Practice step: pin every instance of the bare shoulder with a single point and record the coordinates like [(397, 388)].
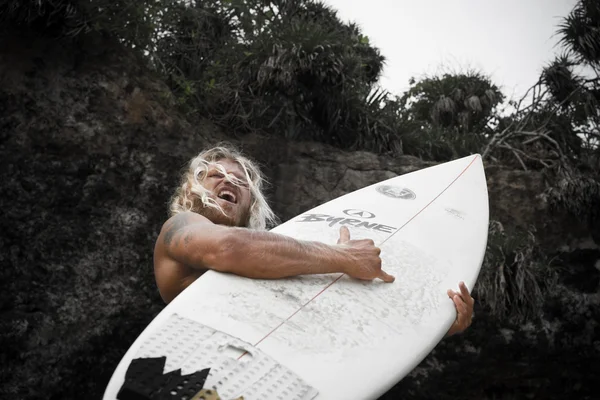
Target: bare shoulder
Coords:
[(176, 225), (175, 264)]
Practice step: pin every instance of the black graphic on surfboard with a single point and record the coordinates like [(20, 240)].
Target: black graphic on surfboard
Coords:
[(144, 380)]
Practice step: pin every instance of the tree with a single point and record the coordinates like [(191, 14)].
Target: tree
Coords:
[(557, 122), (450, 115), (578, 94), (580, 32), (556, 125), (462, 102), (133, 23), (288, 68)]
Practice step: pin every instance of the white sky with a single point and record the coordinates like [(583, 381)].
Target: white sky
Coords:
[(510, 40)]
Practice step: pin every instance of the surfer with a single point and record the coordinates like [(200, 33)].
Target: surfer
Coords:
[(218, 220)]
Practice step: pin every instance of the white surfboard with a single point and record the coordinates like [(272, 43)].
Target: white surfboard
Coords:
[(329, 336)]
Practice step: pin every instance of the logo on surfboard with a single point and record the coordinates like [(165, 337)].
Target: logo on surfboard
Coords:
[(397, 192), (332, 220), (359, 214)]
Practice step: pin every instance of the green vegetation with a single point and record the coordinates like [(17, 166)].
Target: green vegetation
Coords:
[(291, 68), (515, 274), (580, 196)]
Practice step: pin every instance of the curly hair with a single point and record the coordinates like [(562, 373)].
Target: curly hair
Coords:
[(191, 195)]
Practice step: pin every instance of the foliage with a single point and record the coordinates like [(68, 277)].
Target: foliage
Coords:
[(296, 71), (281, 67), (133, 22), (579, 195), (557, 122), (461, 102), (438, 144), (514, 277), (580, 32), (292, 68)]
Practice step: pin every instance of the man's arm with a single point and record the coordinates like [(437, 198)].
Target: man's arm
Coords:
[(195, 241)]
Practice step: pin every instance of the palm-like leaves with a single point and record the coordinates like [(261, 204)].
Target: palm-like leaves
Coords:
[(292, 68), (560, 79), (60, 16), (307, 75), (514, 275), (459, 101), (133, 22), (187, 38), (580, 31)]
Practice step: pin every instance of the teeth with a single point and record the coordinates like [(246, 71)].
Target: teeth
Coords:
[(224, 193)]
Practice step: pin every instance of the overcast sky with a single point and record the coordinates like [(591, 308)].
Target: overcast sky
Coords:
[(510, 40)]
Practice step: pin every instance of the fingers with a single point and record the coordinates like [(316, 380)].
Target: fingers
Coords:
[(344, 235), (464, 308), (461, 306), (387, 278), (462, 314), (462, 320), (367, 265), (465, 294), (369, 243)]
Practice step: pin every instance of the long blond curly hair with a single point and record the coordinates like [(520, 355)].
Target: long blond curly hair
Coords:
[(191, 195)]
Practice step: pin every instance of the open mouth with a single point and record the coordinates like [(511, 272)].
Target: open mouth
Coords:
[(228, 196)]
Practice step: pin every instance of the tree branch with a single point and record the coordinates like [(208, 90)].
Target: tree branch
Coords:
[(514, 151)]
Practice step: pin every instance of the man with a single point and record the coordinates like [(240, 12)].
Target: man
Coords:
[(218, 221)]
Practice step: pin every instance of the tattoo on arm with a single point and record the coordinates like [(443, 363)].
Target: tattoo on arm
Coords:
[(188, 238), (178, 222)]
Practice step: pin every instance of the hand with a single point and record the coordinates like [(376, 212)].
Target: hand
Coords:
[(365, 262), (464, 309)]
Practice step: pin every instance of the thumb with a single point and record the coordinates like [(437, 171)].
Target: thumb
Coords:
[(384, 276), (344, 235)]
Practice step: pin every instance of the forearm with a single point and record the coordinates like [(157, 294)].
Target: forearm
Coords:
[(266, 255)]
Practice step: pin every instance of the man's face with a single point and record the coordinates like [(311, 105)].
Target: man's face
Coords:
[(235, 200)]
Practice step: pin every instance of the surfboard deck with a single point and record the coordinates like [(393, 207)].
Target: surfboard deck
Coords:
[(329, 336)]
